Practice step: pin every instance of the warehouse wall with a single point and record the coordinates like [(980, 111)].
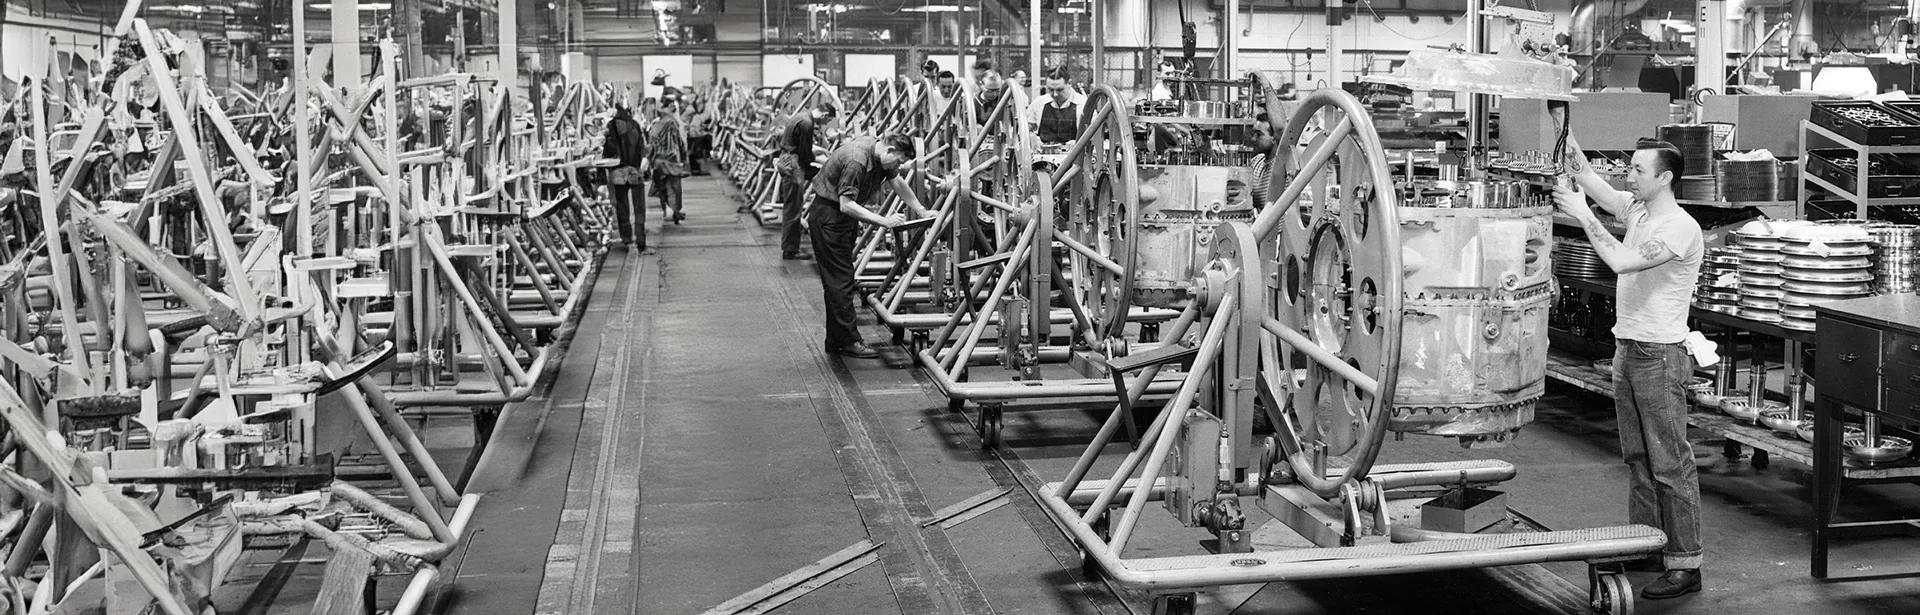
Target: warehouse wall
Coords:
[(1290, 41), (24, 47)]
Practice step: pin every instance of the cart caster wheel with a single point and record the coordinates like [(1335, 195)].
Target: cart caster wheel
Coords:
[(1089, 567), (1730, 450), (990, 426), (1102, 525), (899, 335), (919, 342), (1175, 604), (1612, 594), (1761, 459)]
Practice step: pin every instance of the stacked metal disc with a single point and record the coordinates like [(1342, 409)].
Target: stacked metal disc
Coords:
[(1719, 287), (1751, 180), (1896, 258), (1820, 263), (1695, 142), (1759, 268), (1697, 188), (1575, 258)]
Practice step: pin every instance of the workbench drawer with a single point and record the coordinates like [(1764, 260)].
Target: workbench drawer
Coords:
[(1902, 347), (1847, 358), (1903, 404), (1901, 376)]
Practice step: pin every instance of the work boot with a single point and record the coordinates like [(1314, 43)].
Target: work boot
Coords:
[(1673, 584), (796, 256), (860, 350)]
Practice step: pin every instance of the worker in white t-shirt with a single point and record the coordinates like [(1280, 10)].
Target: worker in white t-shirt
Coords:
[(1658, 263)]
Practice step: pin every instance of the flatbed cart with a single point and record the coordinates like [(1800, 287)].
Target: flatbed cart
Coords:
[(1300, 318)]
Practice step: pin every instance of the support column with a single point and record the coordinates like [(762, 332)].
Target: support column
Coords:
[(406, 32), (346, 44), (1229, 40), (509, 68), (1479, 106), (1098, 65), (1710, 45), (1336, 19), (1033, 47), (1802, 30)]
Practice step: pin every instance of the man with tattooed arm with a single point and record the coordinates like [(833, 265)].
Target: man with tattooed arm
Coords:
[(1658, 263)]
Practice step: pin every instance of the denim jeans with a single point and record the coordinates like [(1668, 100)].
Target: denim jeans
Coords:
[(1651, 406)]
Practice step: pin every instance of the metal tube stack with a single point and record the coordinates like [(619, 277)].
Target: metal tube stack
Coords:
[(1896, 259)]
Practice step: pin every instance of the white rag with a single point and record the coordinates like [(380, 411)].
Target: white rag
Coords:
[(1702, 349)]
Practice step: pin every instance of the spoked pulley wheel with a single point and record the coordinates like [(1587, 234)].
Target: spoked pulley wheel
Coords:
[(1104, 212), (802, 93), (1334, 333)]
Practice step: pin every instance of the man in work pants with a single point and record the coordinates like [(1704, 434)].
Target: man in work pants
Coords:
[(796, 167), (1658, 263), (846, 193)]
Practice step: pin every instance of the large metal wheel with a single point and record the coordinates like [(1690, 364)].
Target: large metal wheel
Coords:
[(1336, 299), (802, 93), (1004, 161), (1104, 212)]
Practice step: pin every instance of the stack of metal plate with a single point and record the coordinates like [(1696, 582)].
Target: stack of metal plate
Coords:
[(1697, 188), (1822, 263), (1896, 259), (1575, 258), (1760, 281), (1747, 180), (1719, 287)]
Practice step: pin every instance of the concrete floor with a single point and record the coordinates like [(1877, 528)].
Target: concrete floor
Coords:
[(698, 444)]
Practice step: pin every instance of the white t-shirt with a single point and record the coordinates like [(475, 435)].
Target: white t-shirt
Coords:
[(1653, 304)]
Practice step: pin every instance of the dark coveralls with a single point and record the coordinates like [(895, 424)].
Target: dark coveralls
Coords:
[(796, 141), (851, 171), (627, 141)]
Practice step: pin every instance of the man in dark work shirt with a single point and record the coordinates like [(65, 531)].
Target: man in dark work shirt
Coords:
[(845, 193), (796, 147)]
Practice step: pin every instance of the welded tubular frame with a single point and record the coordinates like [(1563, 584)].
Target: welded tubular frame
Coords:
[(97, 342), (960, 134)]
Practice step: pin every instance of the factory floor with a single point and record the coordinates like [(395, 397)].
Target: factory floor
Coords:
[(698, 445)]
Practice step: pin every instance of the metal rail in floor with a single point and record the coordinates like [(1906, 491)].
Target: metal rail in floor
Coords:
[(698, 450)]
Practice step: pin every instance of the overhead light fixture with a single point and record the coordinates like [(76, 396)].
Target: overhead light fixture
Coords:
[(936, 8), (364, 6)]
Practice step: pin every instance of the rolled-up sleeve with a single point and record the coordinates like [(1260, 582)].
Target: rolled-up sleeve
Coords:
[(846, 182)]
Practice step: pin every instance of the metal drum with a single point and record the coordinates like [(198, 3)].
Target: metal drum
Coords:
[(1896, 259), (1180, 206), (1474, 335)]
